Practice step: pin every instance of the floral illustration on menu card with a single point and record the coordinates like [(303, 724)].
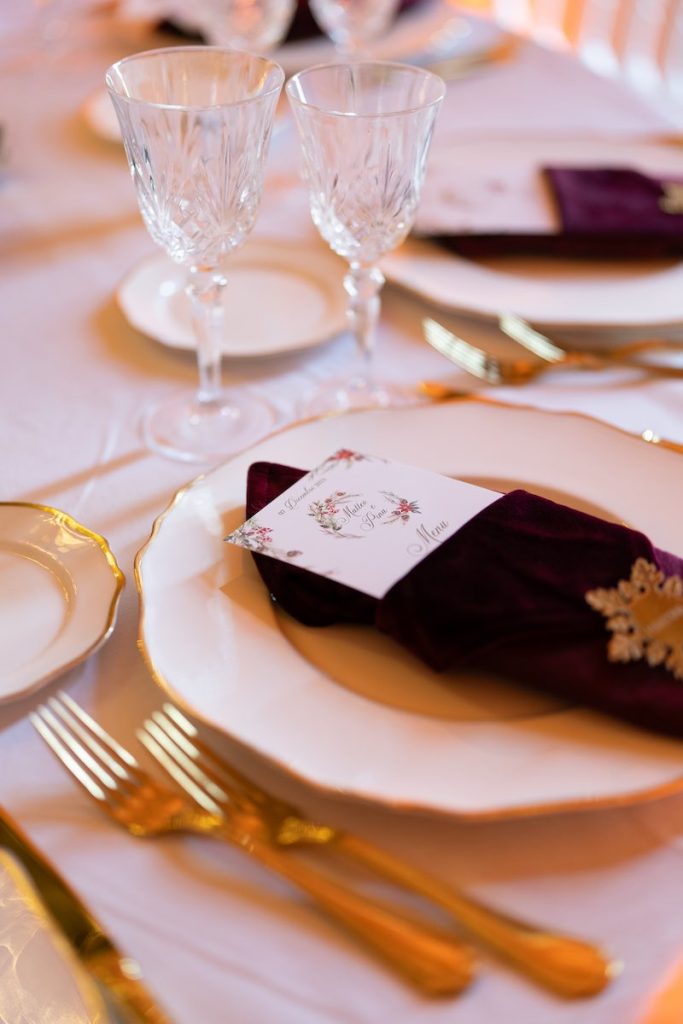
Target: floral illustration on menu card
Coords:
[(259, 539), (403, 508), (331, 517), (346, 457)]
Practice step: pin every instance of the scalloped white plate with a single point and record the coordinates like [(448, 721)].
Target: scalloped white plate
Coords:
[(347, 710), (59, 591)]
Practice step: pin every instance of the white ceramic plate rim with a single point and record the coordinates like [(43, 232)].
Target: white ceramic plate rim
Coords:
[(97, 582), (231, 666), (315, 263), (455, 284)]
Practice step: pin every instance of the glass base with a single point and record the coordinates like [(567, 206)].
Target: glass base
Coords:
[(337, 396), (183, 428)]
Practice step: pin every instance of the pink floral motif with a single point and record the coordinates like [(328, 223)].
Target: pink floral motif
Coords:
[(328, 515), (258, 538), (347, 455), (344, 455), (403, 508)]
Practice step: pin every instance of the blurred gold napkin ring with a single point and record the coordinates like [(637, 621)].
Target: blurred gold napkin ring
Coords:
[(672, 199)]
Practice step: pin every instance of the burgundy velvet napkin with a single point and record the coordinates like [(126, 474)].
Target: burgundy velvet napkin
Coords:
[(606, 213), (505, 594)]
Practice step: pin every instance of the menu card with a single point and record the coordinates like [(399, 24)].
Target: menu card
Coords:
[(362, 520)]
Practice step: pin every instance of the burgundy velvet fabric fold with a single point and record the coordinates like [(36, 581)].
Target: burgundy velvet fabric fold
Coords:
[(505, 594), (603, 213)]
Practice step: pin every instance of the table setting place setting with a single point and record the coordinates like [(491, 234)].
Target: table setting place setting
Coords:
[(342, 405)]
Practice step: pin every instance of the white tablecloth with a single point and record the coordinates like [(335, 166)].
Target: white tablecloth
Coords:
[(220, 940)]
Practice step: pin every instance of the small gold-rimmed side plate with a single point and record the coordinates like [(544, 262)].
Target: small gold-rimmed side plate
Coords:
[(304, 283), (59, 590)]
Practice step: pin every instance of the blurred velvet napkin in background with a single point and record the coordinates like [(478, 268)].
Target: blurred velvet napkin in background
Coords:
[(600, 212), (506, 594)]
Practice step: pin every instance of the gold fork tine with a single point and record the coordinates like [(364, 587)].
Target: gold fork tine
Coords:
[(178, 767), (91, 752), (436, 962), (48, 727), (93, 730), (202, 763), (524, 334), (171, 758), (471, 359), (164, 730)]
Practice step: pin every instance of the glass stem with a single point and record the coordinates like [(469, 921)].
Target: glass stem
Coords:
[(353, 52), (205, 289), (363, 284)]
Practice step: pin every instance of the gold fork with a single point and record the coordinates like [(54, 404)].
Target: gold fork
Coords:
[(566, 965), (495, 370), (437, 963), (545, 348)]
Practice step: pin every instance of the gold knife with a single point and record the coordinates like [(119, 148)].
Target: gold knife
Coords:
[(119, 975)]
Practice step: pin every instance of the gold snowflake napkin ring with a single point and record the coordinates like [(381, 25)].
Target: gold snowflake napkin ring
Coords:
[(645, 616)]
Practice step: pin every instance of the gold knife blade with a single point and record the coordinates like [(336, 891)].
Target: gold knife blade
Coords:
[(119, 974)]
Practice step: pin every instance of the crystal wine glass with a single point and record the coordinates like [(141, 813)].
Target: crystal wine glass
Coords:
[(255, 25), (353, 25), (365, 131), (196, 122)]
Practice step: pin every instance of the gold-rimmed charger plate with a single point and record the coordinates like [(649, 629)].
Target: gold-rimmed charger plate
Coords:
[(59, 592), (214, 642)]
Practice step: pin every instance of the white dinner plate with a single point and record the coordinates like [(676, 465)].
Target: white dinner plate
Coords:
[(280, 297), (493, 185), (346, 709), (59, 592), (431, 31)]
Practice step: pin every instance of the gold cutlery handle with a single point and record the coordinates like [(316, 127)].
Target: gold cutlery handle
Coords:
[(599, 361), (569, 967), (438, 964), (121, 976)]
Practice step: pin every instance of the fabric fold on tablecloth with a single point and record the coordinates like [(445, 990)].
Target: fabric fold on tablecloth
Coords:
[(506, 595)]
